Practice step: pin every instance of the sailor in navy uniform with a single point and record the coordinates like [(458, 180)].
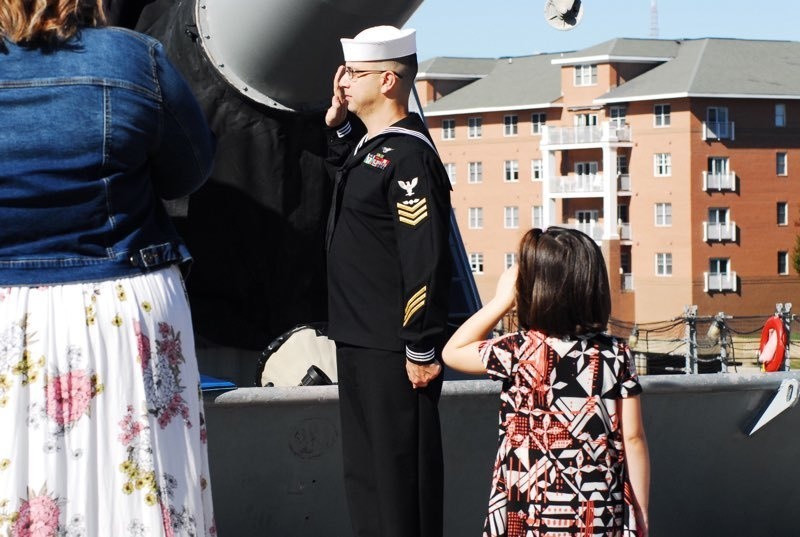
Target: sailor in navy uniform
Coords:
[(388, 286)]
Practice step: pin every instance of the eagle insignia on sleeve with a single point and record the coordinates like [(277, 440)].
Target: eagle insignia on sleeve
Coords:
[(409, 186), (412, 212)]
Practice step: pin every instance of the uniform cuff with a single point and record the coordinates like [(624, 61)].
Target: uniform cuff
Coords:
[(420, 357), (344, 130)]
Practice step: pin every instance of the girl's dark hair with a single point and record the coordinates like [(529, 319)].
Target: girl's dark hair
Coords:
[(562, 285)]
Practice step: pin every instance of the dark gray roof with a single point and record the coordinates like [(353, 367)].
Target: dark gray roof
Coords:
[(519, 82), (623, 47), (446, 67), (719, 67)]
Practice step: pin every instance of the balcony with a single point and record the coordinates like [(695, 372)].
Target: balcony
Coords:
[(576, 184), (719, 232), (719, 181), (624, 183), (720, 281), (626, 281), (719, 130), (593, 229), (585, 135), (624, 231)]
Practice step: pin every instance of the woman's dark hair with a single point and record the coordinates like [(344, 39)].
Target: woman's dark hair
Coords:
[(562, 286)]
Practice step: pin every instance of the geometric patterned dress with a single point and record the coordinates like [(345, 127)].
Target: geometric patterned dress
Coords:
[(102, 431), (560, 465)]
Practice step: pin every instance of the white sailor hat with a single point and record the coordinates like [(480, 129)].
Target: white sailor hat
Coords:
[(380, 43)]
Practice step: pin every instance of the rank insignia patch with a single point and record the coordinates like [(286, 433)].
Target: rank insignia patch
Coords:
[(412, 212), (409, 186), (414, 304), (377, 160)]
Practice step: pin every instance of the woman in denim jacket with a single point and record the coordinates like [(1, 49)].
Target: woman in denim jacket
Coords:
[(101, 423)]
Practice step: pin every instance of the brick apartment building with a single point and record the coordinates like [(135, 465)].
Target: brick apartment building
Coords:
[(680, 157)]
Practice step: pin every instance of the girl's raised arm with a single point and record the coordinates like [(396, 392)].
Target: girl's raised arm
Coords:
[(462, 351)]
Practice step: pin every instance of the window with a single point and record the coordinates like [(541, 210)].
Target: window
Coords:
[(511, 217), (586, 168), (537, 122), (783, 263), (476, 217), (661, 115), (510, 259), (510, 125), (718, 265), (476, 263), (474, 127), (585, 120), (511, 168), (450, 168), (717, 125), (780, 115), (618, 114), (448, 129), (780, 163), (662, 164), (536, 170), (585, 75), (718, 165), (475, 172), (622, 164), (663, 214), (537, 216), (783, 213), (663, 264)]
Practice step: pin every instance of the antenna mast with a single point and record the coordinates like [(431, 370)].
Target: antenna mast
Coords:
[(653, 19)]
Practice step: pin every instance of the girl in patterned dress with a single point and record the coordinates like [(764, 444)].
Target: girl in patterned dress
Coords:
[(102, 431), (572, 458)]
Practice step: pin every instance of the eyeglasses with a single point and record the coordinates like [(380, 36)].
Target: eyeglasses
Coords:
[(355, 74)]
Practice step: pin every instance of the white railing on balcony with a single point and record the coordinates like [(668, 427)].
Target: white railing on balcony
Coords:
[(571, 184), (713, 231), (720, 281), (719, 130), (719, 181), (627, 281), (585, 135), (624, 183), (624, 231), (593, 229)]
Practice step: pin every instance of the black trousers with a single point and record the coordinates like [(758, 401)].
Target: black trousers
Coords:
[(391, 444)]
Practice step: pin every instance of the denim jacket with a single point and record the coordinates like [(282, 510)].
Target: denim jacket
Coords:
[(93, 135)]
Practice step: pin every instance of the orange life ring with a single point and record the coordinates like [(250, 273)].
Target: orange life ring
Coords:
[(775, 363)]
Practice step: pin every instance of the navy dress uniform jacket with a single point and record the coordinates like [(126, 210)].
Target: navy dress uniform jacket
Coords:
[(387, 241)]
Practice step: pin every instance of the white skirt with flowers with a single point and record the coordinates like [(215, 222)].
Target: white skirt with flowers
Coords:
[(101, 422)]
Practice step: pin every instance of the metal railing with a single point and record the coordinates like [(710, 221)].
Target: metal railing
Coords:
[(719, 181), (576, 184), (624, 183), (593, 229), (585, 135), (719, 130), (720, 281), (627, 281), (725, 231)]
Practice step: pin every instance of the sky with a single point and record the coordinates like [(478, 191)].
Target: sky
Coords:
[(497, 28)]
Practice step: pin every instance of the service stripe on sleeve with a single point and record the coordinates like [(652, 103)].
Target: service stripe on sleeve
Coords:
[(414, 304), (412, 214)]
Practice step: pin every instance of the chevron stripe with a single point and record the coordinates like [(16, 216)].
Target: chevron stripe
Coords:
[(414, 214), (414, 303)]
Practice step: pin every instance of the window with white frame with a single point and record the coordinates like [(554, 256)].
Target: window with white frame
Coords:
[(718, 215), (510, 217), (719, 265), (783, 263), (585, 75), (661, 115), (510, 259), (538, 121), (450, 168), (585, 120), (783, 213), (476, 263), (476, 217), (510, 125), (622, 164), (475, 172), (618, 114), (474, 127), (511, 171), (663, 214), (780, 115), (536, 170), (662, 164), (537, 216), (448, 129), (781, 167), (663, 264)]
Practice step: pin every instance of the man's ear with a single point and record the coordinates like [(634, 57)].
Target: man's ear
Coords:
[(389, 82)]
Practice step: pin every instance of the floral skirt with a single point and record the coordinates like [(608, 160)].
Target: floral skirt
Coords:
[(102, 431)]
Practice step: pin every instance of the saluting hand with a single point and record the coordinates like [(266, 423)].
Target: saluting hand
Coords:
[(337, 113), (421, 375)]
